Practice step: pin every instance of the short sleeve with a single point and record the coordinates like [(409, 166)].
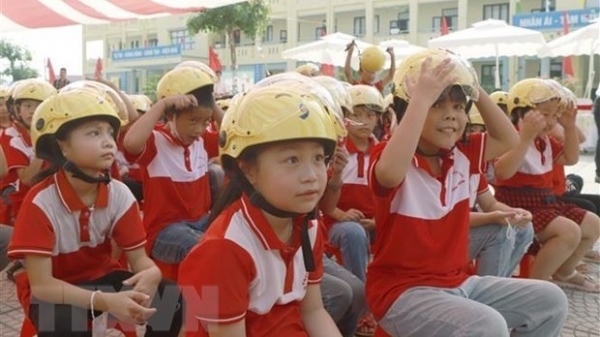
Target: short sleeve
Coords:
[(557, 148), (474, 149), (378, 190), (128, 231), (147, 154), (315, 276), (15, 154), (215, 278), (31, 219), (483, 184), (211, 143)]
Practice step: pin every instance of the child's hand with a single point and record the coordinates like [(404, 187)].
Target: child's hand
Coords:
[(339, 160), (568, 117), (521, 217), (179, 102), (500, 217), (390, 51), (352, 215), (533, 124), (350, 47), (126, 306), (368, 224), (146, 282), (431, 82)]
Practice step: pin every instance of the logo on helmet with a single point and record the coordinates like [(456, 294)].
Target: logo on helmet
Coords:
[(304, 111)]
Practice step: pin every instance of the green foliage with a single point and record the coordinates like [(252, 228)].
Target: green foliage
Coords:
[(150, 88), (18, 59), (251, 17)]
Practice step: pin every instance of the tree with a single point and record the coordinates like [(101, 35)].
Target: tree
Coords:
[(18, 59), (251, 17)]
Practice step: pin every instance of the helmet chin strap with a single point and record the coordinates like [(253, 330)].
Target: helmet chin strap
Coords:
[(440, 153), (79, 174), (257, 200), (173, 129)]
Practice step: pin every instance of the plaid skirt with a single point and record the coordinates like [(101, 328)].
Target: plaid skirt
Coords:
[(542, 204)]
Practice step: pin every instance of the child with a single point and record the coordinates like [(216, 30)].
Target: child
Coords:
[(371, 62), (4, 117), (501, 100), (416, 284), (524, 178), (309, 69), (174, 162), (275, 142), (349, 223), (75, 211)]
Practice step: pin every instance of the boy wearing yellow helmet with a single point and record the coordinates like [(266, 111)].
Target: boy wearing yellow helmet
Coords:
[(416, 283), (75, 211), (174, 162), (371, 63), (262, 255)]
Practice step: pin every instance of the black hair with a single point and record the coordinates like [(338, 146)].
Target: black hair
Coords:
[(454, 92), (204, 96), (518, 113)]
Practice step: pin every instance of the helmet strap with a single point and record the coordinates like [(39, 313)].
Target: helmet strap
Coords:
[(440, 153), (258, 201), (79, 174)]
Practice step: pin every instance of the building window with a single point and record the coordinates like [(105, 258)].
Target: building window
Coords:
[(556, 68), (403, 20), (487, 76), (451, 15), (436, 24), (359, 25), (376, 24), (498, 11), (183, 38), (268, 34), (283, 36), (153, 42), (320, 31)]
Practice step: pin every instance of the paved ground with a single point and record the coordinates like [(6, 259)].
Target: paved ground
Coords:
[(584, 311)]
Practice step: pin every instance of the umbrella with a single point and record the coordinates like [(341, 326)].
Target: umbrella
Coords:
[(491, 38), (584, 41), (329, 49), (402, 48)]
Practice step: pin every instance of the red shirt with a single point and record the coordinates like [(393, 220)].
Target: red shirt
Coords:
[(355, 192), (241, 270), (422, 226), (75, 237), (19, 154), (536, 171), (379, 84), (175, 181), (211, 141)]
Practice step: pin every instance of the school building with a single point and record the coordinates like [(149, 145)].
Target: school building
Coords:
[(136, 53)]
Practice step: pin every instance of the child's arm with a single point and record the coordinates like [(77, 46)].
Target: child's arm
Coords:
[(48, 289), (396, 157), (390, 74), (147, 275), (516, 216), (137, 135), (237, 329), (347, 65), (508, 164), (132, 114), (27, 174), (558, 133), (502, 136), (316, 320), (3, 163), (570, 154)]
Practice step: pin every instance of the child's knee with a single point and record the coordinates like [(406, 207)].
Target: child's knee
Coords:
[(566, 231), (590, 227)]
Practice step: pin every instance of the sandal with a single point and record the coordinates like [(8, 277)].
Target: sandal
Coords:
[(583, 283), (583, 268), (592, 256), (366, 326)]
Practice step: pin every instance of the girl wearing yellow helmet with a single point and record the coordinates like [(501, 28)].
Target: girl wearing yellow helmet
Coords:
[(75, 212), (371, 62), (259, 264)]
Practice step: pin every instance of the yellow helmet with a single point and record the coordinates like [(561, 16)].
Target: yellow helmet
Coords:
[(569, 100), (200, 66), (62, 109), (272, 114), (112, 96), (33, 89), (223, 104), (140, 102), (308, 69), (336, 89), (388, 100), (466, 77), (3, 92), (372, 59), (531, 91), (475, 117), (368, 96), (499, 97), (182, 81)]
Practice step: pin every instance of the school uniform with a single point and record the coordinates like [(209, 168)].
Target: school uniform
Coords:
[(240, 270)]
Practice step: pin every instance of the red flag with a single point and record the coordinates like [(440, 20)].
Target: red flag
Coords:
[(51, 74), (213, 60), (567, 63), (98, 71), (444, 26)]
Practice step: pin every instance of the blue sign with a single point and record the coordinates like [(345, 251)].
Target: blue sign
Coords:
[(145, 53), (259, 72), (554, 20)]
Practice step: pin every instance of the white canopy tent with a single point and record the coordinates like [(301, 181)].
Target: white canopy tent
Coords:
[(329, 49), (491, 38), (583, 41), (402, 49)]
